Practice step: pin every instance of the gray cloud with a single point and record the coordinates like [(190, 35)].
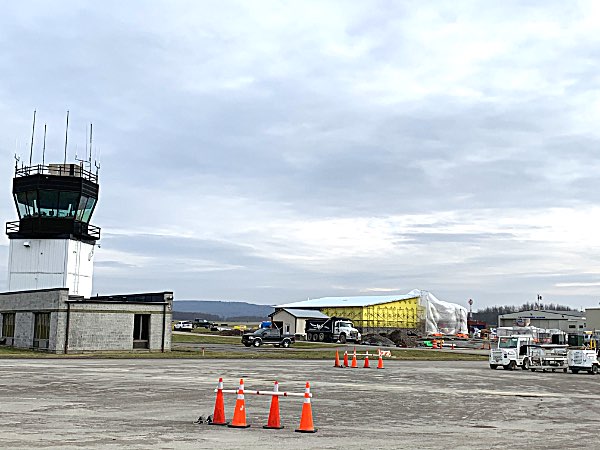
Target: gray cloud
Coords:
[(278, 152)]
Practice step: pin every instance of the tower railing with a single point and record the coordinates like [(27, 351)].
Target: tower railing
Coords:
[(62, 170), (76, 227)]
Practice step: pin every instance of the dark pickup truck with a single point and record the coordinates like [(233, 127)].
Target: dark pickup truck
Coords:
[(268, 336)]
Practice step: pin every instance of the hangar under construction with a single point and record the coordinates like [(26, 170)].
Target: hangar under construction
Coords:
[(418, 310)]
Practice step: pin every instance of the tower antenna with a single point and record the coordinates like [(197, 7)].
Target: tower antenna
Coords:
[(86, 143), (66, 138), (32, 135), (44, 148), (90, 157)]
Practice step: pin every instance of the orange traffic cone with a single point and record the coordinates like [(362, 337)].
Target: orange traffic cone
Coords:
[(380, 362), (337, 360), (219, 412), (346, 359), (354, 363), (239, 415), (274, 421), (306, 419), (366, 366)]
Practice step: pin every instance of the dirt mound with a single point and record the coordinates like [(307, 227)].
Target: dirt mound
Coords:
[(404, 338), (377, 339)]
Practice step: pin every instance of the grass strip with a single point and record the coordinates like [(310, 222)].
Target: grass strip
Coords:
[(407, 355)]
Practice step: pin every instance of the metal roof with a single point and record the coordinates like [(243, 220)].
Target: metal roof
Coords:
[(336, 302), (303, 313), (543, 314)]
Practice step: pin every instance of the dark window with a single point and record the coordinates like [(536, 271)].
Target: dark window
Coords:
[(571, 326), (8, 329), (81, 207), (41, 331), (48, 203), (87, 212), (27, 203), (22, 206), (141, 330), (67, 204)]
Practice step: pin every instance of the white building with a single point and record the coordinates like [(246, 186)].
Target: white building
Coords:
[(293, 321), (568, 321)]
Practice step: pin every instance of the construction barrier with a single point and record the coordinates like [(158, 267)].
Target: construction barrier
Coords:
[(274, 421), (380, 353)]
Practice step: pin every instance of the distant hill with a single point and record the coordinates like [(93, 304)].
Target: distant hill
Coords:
[(218, 310)]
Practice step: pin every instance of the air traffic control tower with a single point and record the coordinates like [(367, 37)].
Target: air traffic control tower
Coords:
[(52, 243)]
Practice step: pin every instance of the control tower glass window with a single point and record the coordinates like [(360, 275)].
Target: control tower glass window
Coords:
[(85, 208), (89, 207), (27, 204), (48, 203), (67, 204)]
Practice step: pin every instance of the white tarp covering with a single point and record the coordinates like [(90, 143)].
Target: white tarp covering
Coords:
[(442, 317)]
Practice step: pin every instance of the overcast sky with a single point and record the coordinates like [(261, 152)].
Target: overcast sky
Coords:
[(275, 151)]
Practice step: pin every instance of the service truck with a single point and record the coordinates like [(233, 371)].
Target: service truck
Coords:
[(332, 329), (511, 352), (583, 354)]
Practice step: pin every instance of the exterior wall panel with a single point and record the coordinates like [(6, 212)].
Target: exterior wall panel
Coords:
[(51, 263)]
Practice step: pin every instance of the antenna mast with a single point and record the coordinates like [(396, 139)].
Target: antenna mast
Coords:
[(44, 149), (32, 135), (90, 157), (66, 138)]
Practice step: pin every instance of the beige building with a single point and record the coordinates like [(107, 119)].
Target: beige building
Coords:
[(293, 321), (568, 321), (593, 318)]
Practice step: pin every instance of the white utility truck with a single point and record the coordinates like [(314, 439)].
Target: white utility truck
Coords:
[(512, 352), (546, 357), (584, 360), (583, 352)]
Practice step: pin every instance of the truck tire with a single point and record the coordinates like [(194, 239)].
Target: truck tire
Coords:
[(257, 342), (594, 370), (526, 364), (342, 338), (321, 337), (315, 337), (510, 366), (493, 366), (309, 336), (285, 343)]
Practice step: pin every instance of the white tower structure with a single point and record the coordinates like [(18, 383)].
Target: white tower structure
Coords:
[(52, 244)]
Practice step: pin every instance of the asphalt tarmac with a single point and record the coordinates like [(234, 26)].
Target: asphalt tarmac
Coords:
[(153, 403)]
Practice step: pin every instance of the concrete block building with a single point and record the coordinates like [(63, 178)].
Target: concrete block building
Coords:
[(49, 304), (52, 320)]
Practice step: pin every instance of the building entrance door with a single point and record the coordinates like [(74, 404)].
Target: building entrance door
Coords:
[(141, 331), (41, 331)]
